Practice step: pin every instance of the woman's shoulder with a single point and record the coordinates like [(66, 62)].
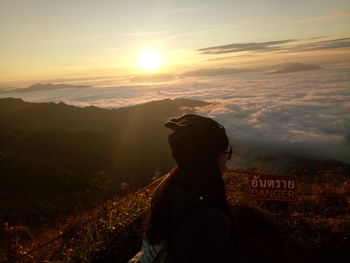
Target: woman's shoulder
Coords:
[(190, 206), (185, 198)]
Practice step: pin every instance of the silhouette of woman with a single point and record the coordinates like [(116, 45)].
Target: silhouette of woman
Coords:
[(189, 213)]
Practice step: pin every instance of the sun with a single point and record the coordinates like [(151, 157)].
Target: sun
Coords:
[(149, 60)]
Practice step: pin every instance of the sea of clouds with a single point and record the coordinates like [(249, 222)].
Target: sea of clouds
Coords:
[(271, 116)]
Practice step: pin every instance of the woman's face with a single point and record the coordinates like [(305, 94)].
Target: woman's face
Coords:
[(222, 159)]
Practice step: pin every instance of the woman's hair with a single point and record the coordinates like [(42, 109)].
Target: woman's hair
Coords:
[(196, 142)]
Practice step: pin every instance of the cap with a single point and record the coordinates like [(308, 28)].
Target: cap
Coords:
[(194, 136)]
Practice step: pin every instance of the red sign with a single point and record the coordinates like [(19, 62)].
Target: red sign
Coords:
[(273, 187)]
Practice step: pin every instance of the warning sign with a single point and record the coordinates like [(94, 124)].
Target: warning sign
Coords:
[(273, 187)]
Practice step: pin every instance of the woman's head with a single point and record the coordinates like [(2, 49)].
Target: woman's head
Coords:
[(197, 142)]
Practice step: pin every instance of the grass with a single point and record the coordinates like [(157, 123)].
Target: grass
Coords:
[(312, 229)]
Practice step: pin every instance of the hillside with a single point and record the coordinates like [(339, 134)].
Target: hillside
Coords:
[(57, 158), (314, 229)]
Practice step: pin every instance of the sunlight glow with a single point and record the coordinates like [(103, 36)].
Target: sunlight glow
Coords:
[(149, 60)]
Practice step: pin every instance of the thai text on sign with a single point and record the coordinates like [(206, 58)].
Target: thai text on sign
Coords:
[(273, 187)]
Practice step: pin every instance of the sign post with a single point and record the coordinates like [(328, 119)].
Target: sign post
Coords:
[(273, 187)]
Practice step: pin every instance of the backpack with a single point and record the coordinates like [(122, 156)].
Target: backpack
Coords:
[(156, 253)]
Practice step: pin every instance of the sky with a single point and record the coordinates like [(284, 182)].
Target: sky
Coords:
[(45, 40)]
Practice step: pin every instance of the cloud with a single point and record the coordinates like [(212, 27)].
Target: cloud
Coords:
[(230, 57), (240, 47), (214, 72), (286, 116), (270, 118), (320, 45), (295, 67), (288, 45), (160, 77), (325, 17)]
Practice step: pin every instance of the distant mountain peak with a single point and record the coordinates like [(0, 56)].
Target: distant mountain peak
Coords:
[(43, 86), (46, 86)]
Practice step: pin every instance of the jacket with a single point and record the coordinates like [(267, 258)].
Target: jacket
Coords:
[(202, 231)]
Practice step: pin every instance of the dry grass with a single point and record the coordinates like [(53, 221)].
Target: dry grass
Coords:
[(267, 231)]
